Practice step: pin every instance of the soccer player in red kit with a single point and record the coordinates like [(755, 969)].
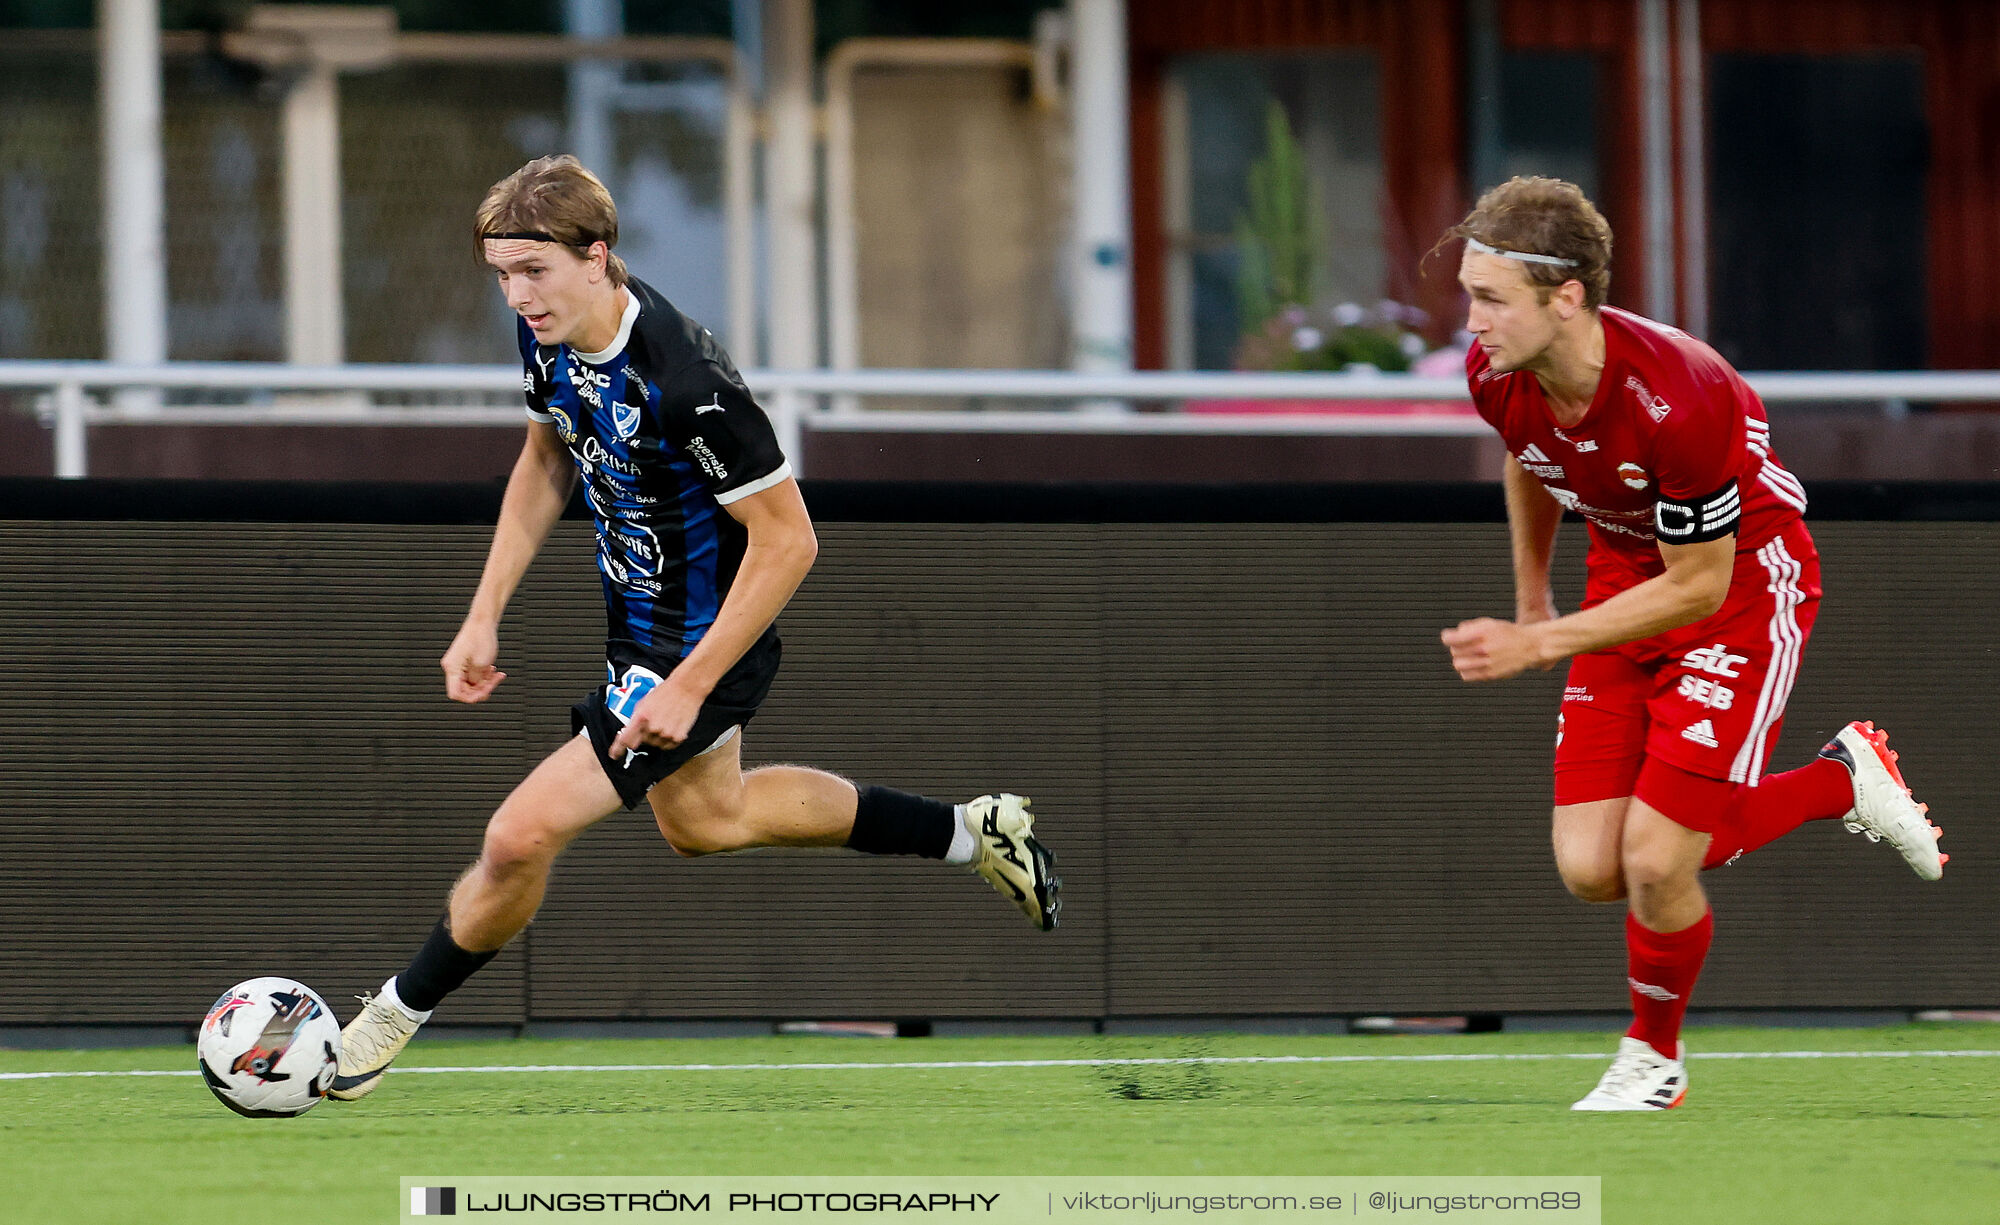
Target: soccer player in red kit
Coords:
[(1703, 584)]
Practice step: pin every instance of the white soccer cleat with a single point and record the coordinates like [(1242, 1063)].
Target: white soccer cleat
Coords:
[(1883, 806), (1640, 1078), (1010, 858), (371, 1042)]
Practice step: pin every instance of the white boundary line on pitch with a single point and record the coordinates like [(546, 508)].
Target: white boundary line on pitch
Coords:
[(949, 1064)]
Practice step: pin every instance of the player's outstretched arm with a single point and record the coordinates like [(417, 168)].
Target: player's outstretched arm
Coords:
[(1533, 518), (780, 548), (1694, 585), (537, 491)]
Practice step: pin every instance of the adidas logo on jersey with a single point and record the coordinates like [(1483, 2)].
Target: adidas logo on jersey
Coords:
[(1702, 733), (1535, 460)]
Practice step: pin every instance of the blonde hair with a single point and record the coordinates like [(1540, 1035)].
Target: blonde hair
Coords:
[(1550, 217), (552, 199)]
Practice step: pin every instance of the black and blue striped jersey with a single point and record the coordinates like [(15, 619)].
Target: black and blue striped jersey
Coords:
[(665, 435)]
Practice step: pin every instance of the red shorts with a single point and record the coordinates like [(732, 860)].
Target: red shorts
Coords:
[(1708, 697)]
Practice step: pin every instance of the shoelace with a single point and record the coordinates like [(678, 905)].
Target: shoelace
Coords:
[(1627, 1070), (366, 1048)]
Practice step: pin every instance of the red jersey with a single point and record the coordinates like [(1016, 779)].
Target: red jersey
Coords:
[(1675, 447)]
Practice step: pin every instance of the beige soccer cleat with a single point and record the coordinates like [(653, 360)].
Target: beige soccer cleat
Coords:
[(1883, 806), (371, 1042), (1640, 1078), (1011, 859)]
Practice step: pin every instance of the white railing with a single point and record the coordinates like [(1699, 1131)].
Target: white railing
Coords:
[(801, 400)]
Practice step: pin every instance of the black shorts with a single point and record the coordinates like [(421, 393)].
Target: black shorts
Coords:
[(631, 674)]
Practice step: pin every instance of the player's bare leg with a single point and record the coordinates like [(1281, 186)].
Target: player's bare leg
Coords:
[(565, 795), (710, 806), (492, 902), (1667, 935), (1662, 863), (1589, 841)]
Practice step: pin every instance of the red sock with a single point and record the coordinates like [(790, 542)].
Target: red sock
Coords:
[(1662, 967), (1780, 804)]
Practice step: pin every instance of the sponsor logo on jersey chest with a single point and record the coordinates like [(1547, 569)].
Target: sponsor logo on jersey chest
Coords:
[(588, 380), (594, 453), (1717, 660)]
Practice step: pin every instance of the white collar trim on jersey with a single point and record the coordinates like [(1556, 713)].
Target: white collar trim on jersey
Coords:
[(617, 344)]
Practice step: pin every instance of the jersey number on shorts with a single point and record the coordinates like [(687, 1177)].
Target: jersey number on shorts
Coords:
[(622, 698)]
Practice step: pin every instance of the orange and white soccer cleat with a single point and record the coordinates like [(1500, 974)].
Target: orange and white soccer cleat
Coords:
[(1883, 806), (1640, 1078)]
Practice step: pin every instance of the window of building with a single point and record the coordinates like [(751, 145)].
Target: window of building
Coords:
[(1218, 120), (1547, 118), (1817, 211)]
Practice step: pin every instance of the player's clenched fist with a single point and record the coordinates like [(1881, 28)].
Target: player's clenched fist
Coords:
[(469, 674), (1487, 649), (662, 720)]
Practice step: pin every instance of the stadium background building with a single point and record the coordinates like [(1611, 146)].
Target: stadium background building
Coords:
[(999, 185)]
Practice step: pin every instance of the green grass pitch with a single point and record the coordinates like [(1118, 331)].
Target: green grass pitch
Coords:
[(1911, 1137)]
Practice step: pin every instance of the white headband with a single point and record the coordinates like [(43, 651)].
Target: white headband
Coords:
[(1483, 249)]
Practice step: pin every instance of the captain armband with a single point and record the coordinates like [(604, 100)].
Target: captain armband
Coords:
[(1694, 520)]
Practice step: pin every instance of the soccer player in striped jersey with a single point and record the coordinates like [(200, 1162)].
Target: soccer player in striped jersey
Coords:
[(1702, 588), (702, 537)]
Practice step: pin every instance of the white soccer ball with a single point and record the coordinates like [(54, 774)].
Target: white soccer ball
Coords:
[(269, 1048)]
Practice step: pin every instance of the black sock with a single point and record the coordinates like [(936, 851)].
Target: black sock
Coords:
[(890, 822), (438, 969)]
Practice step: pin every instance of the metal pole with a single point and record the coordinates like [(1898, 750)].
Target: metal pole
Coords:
[(843, 264), (739, 205), (843, 271), (593, 85), (1102, 255), (788, 423), (135, 254), (1694, 169), (1657, 174), (790, 198), (315, 311), (746, 93), (72, 445)]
